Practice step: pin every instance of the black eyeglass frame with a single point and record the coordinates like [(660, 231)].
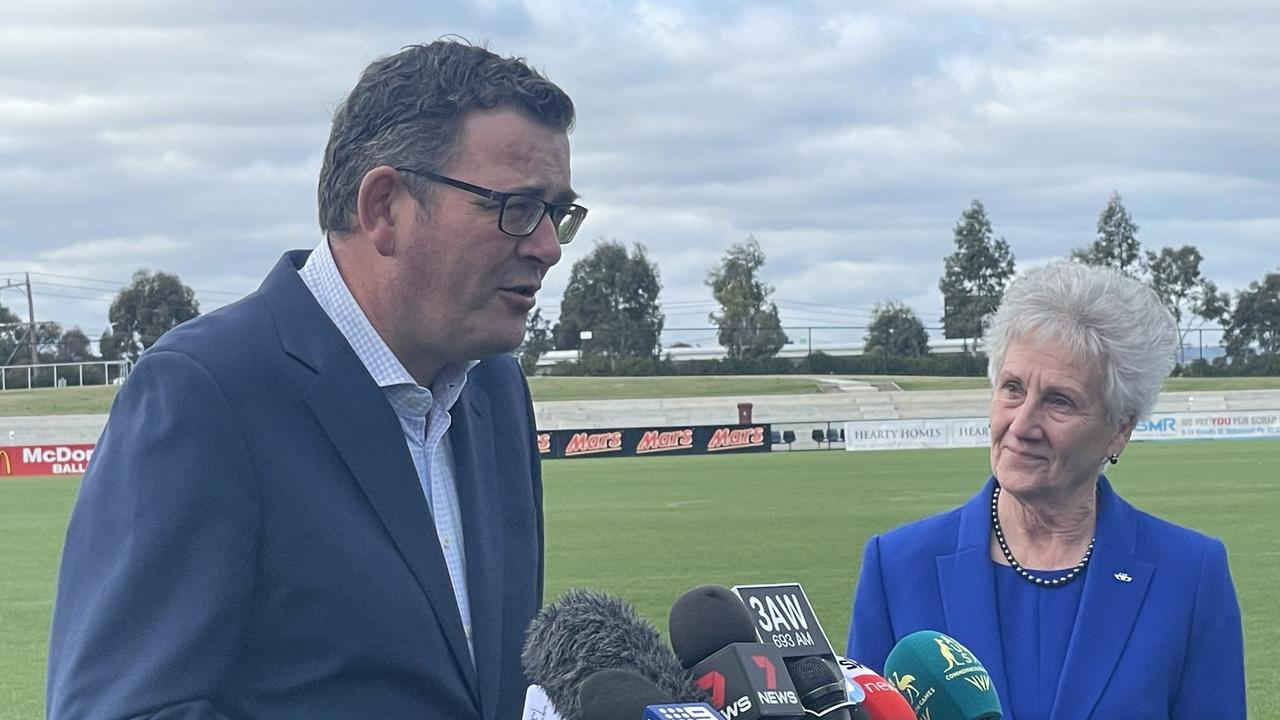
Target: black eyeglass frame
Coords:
[(559, 212)]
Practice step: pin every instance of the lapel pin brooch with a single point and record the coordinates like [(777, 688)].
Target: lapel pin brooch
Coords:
[(1123, 577)]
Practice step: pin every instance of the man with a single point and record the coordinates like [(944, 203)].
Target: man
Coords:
[(315, 502)]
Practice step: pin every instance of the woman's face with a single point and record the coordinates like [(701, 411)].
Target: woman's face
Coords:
[(1049, 430)]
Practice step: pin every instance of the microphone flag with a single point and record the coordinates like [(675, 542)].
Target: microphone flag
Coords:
[(785, 619), (749, 681), (940, 677), (683, 711)]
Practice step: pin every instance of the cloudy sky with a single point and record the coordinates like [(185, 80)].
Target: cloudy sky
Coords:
[(186, 135)]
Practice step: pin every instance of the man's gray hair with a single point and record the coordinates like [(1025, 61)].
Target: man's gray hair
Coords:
[(1101, 317), (408, 109)]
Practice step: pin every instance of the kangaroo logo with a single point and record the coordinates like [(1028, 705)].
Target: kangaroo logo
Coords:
[(946, 654), (954, 653)]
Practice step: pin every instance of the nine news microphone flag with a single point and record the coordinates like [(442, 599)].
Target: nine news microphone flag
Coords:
[(684, 711), (940, 677)]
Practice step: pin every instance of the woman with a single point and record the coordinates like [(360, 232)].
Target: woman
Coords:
[(1079, 605)]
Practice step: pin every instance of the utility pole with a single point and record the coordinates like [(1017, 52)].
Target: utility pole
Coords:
[(31, 316)]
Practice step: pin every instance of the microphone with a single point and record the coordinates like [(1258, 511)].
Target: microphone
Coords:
[(704, 620), (880, 699), (585, 631), (782, 616), (617, 694), (940, 677), (712, 633), (823, 691)]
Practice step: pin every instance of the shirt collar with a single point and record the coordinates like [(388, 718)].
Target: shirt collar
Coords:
[(321, 276)]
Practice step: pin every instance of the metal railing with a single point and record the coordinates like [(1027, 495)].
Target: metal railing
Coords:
[(68, 374)]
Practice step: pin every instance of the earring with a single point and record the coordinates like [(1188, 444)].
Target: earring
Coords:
[(1113, 459)]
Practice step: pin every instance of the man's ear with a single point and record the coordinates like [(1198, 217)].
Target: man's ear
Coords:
[(375, 211)]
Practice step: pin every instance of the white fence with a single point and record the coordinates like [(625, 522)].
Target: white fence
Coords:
[(97, 372)]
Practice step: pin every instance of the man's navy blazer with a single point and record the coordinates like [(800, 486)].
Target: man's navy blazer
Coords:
[(1158, 631), (251, 539)]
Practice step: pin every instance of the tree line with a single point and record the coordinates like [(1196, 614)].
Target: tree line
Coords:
[(614, 295), (139, 314), (611, 311)]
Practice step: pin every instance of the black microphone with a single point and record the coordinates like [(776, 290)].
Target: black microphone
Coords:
[(617, 694), (704, 620), (585, 631), (712, 634)]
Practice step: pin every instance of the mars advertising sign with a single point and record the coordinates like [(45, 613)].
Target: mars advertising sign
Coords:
[(44, 459), (585, 442), (666, 440)]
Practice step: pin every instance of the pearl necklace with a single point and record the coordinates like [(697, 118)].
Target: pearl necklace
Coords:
[(1072, 574)]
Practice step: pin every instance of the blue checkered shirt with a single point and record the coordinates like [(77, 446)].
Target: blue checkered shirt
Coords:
[(423, 412)]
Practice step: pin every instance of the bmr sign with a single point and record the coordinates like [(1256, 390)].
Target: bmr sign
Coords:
[(44, 459)]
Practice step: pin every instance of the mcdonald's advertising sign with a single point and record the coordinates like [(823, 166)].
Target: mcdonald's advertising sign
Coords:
[(18, 460)]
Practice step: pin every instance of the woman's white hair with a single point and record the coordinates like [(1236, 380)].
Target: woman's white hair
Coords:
[(1102, 318)]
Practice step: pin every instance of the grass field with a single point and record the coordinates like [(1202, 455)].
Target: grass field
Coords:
[(650, 528), (97, 400)]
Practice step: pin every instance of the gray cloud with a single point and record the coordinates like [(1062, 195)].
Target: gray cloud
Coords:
[(187, 137)]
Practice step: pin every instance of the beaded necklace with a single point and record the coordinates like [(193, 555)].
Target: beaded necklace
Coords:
[(1071, 574)]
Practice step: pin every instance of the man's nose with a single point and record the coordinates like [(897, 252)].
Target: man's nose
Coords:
[(542, 244)]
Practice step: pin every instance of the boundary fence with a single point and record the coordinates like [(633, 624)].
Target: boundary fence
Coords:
[(68, 374)]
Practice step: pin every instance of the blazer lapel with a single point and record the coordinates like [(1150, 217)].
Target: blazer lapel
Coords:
[(1115, 586), (364, 429), (967, 582), (471, 433)]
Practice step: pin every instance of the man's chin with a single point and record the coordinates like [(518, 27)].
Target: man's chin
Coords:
[(499, 344)]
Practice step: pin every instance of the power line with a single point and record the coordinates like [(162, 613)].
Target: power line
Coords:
[(43, 293), (117, 284)]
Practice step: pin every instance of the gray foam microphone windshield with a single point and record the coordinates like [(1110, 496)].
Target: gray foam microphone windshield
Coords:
[(585, 631)]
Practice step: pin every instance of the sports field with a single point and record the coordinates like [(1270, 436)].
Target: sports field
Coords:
[(649, 528)]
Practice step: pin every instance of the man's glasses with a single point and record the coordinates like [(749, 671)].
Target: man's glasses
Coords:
[(519, 214)]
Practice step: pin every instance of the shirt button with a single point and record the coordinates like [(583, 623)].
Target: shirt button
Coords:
[(447, 543)]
